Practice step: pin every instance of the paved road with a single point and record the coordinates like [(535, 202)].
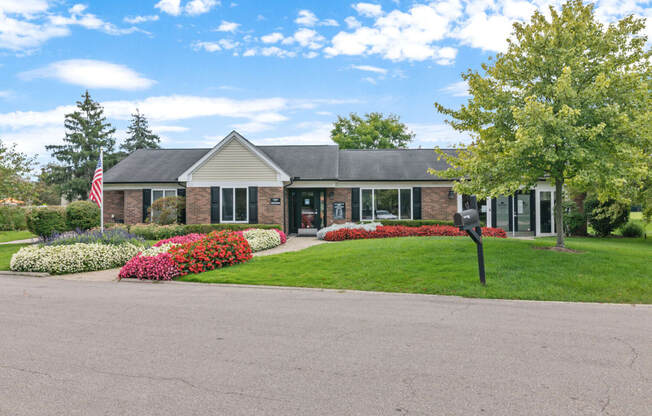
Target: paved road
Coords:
[(105, 348)]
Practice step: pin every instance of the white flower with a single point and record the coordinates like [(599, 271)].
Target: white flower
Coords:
[(370, 226), (262, 239)]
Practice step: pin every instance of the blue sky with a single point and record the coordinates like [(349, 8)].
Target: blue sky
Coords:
[(277, 71)]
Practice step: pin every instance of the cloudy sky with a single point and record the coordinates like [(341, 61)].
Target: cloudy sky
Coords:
[(276, 71)]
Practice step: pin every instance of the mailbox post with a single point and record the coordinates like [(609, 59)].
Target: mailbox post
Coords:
[(469, 221)]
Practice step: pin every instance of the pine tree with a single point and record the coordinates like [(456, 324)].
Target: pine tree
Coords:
[(86, 133), (139, 135)]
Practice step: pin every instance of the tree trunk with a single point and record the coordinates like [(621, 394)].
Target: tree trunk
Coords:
[(559, 211)]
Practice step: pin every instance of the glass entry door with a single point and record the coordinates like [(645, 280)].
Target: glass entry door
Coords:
[(308, 206)]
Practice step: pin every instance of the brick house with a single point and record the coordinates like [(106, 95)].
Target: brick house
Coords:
[(305, 187)]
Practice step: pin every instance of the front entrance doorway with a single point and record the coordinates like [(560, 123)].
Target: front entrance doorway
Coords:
[(307, 210), (515, 214)]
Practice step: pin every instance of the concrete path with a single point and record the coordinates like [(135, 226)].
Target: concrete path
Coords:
[(292, 244), (27, 241), (101, 348)]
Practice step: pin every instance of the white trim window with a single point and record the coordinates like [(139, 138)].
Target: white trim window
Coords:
[(160, 193), (385, 204), (234, 205)]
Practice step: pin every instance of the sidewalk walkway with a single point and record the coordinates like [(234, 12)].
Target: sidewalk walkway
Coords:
[(28, 241)]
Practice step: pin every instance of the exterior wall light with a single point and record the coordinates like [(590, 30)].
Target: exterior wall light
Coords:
[(451, 194)]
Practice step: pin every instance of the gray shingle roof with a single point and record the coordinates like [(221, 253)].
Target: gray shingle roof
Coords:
[(153, 165), (307, 162)]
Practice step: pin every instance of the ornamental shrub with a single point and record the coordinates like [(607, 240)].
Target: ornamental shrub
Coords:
[(262, 239), (387, 231), (631, 229), (159, 232), (82, 215), (112, 236), (73, 258), (46, 221), (12, 218), (156, 232), (167, 210), (158, 267), (605, 217), (218, 249), (574, 220)]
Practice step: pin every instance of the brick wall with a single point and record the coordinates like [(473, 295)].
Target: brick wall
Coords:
[(198, 205), (339, 195), (435, 204), (114, 206), (133, 206), (268, 213)]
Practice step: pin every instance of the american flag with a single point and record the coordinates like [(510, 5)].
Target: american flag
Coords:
[(96, 185)]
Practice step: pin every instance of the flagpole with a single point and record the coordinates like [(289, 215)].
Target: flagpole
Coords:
[(102, 190)]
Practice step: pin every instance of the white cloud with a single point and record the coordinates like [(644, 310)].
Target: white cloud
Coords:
[(5, 94), (370, 68), (431, 135), (276, 51), (91, 74), (227, 26), (172, 7), (207, 46), (89, 21), (329, 22), (319, 133), (368, 9), (306, 18), (192, 8), (352, 22), (272, 38), (134, 20), (169, 129), (26, 8), (457, 89), (309, 38)]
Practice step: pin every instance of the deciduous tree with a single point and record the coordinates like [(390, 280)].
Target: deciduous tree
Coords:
[(569, 101), (374, 131)]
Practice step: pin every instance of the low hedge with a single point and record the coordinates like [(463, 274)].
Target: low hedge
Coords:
[(389, 231), (12, 218), (82, 215), (160, 232), (46, 221), (415, 223)]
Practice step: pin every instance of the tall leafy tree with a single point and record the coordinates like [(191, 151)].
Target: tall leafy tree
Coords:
[(374, 131), (15, 169), (139, 136), (569, 101), (87, 132)]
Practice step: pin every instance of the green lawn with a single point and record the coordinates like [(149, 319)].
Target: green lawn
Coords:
[(6, 251), (14, 235), (608, 270)]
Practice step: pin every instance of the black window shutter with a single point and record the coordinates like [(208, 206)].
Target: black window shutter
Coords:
[(493, 213), (147, 202), (416, 203), (253, 205), (355, 204), (182, 213), (512, 226), (533, 212), (215, 204)]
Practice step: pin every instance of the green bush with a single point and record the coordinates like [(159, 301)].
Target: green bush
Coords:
[(12, 218), (631, 229), (82, 215), (415, 223), (606, 216), (46, 221), (574, 220), (167, 210), (159, 232)]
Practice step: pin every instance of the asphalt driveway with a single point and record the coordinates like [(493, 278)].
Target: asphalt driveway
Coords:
[(107, 348)]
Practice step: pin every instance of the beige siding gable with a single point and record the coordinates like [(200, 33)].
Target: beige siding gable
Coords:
[(234, 162)]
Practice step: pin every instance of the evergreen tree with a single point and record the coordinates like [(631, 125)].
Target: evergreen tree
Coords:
[(139, 135), (87, 132)]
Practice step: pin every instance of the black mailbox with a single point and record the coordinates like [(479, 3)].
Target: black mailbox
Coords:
[(467, 219)]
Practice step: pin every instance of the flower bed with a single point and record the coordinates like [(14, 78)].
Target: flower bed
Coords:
[(218, 249), (386, 231), (73, 258), (114, 236), (180, 239), (157, 267), (370, 226), (262, 239)]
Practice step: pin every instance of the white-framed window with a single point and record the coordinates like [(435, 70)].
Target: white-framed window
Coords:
[(385, 204), (160, 193), (234, 205)]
